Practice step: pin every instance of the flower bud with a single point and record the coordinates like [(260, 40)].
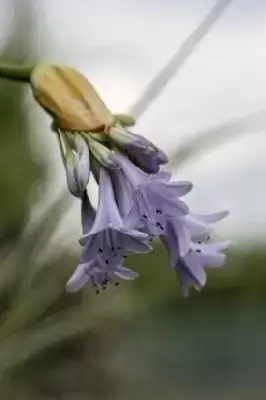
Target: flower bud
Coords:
[(102, 154), (77, 166), (70, 99)]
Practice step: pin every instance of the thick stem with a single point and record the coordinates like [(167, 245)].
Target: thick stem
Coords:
[(15, 72)]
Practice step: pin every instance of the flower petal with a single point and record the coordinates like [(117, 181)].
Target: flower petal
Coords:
[(82, 168), (78, 279), (87, 214), (208, 218), (125, 273)]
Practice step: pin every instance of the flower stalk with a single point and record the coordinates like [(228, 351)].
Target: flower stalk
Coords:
[(16, 72)]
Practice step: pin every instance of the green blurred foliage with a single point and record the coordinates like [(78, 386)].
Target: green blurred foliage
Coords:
[(19, 172)]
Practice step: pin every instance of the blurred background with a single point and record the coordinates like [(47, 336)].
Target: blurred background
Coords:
[(141, 340)]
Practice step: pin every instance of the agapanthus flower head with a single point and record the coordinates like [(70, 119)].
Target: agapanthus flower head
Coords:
[(137, 200)]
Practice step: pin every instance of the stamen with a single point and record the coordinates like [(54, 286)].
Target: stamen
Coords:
[(159, 225), (101, 250)]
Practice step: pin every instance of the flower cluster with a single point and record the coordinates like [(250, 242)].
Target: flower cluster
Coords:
[(137, 200), (137, 203)]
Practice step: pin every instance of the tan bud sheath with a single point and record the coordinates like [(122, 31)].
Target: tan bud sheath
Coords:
[(70, 99)]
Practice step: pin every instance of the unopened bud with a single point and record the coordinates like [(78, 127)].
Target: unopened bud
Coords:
[(70, 99)]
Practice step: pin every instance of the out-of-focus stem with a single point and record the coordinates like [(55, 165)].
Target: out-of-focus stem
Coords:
[(15, 72)]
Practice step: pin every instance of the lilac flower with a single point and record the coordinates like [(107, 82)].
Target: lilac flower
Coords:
[(77, 165), (97, 269), (190, 269), (189, 249), (99, 276), (143, 153), (108, 238), (154, 198), (179, 231)]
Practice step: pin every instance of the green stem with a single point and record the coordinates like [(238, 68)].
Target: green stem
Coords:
[(15, 72)]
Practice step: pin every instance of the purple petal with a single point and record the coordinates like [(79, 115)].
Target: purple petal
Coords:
[(122, 192), (208, 218), (107, 212), (211, 247), (125, 273), (212, 260), (87, 214), (78, 279), (191, 263), (197, 228), (82, 163)]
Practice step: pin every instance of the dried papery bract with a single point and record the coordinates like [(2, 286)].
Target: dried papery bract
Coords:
[(70, 99)]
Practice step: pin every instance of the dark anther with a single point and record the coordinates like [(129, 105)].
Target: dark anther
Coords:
[(112, 248), (198, 251), (144, 216), (101, 250), (125, 256), (116, 283), (106, 262), (118, 248), (207, 237), (160, 226), (97, 291), (158, 211), (199, 242), (104, 287)]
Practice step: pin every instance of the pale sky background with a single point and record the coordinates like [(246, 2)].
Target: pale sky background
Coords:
[(122, 44)]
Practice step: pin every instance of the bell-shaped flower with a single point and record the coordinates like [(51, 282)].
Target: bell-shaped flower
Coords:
[(190, 268), (99, 275), (155, 198), (179, 231), (108, 237)]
